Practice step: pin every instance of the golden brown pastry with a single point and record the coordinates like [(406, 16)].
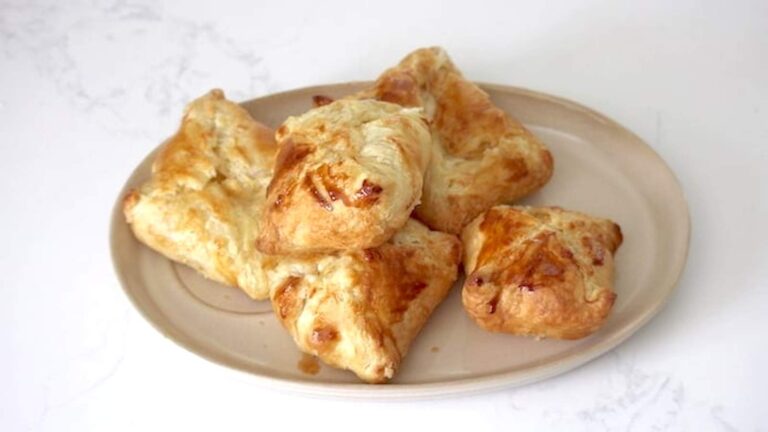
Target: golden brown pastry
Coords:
[(203, 204), (360, 310), (544, 272), (347, 177), (481, 156), (357, 310)]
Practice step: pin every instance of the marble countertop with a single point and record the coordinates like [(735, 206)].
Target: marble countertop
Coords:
[(88, 88)]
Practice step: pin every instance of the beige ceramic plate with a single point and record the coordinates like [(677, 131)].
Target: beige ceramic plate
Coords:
[(600, 168)]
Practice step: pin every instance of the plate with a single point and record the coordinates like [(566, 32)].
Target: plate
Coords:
[(600, 168)]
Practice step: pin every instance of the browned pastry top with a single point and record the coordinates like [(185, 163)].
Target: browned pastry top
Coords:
[(347, 176), (481, 156), (361, 310), (539, 271), (203, 204)]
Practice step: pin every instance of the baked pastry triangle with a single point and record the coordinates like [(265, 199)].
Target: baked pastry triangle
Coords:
[(347, 177), (544, 272), (481, 156), (361, 310), (202, 205)]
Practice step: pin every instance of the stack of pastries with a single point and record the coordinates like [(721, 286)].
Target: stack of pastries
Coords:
[(354, 217)]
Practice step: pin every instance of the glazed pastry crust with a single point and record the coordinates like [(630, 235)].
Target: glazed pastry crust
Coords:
[(203, 203), (543, 272), (481, 156), (347, 176), (361, 310)]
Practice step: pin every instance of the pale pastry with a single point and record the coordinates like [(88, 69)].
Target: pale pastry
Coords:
[(203, 203), (361, 310), (543, 272), (481, 156), (347, 177)]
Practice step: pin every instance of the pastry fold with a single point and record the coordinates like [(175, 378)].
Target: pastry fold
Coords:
[(361, 310), (347, 177), (544, 272), (203, 204), (481, 156)]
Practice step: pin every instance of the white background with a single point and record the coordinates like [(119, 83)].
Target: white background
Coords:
[(88, 88)]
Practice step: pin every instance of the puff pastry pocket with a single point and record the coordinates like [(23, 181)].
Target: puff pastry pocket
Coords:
[(543, 272), (347, 176), (361, 310), (203, 203), (481, 156)]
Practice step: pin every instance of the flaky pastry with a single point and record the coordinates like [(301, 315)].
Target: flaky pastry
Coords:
[(358, 310), (481, 156), (347, 177), (543, 272), (361, 310), (203, 204)]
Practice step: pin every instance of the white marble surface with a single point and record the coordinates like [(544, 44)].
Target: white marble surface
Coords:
[(88, 88)]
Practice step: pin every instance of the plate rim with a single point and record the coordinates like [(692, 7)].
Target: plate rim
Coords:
[(431, 390)]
